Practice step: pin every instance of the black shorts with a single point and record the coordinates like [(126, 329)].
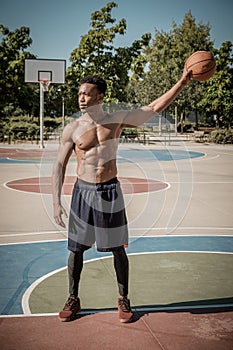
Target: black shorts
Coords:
[(97, 215)]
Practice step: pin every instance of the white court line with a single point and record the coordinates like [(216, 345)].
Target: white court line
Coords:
[(26, 296), (125, 183), (137, 309), (130, 228), (28, 184), (201, 228), (214, 157), (20, 191), (179, 228), (41, 241), (31, 233), (210, 158), (155, 181), (194, 183), (19, 160)]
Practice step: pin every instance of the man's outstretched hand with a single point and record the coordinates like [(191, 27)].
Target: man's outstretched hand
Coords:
[(186, 76)]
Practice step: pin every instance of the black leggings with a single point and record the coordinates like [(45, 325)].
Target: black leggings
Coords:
[(121, 265)]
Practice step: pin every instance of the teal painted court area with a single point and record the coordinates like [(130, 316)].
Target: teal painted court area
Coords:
[(157, 263), (124, 156), (163, 155)]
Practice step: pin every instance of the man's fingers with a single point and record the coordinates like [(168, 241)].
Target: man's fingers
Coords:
[(64, 212), (60, 222), (59, 211), (187, 75)]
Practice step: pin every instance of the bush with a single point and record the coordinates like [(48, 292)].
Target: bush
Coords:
[(52, 123), (222, 136), (25, 127)]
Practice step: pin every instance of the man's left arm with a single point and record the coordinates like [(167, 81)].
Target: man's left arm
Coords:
[(139, 116), (166, 99)]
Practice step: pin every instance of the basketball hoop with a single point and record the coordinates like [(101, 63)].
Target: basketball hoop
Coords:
[(45, 85), (45, 72)]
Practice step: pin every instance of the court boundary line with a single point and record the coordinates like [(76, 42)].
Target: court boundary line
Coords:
[(135, 308), (217, 155), (130, 229)]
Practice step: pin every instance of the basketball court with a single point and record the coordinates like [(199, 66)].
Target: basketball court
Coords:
[(179, 206)]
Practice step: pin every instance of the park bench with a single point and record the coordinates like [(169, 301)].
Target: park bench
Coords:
[(199, 136)]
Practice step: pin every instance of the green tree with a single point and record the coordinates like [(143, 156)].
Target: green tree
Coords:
[(96, 54), (13, 91), (218, 97), (166, 58)]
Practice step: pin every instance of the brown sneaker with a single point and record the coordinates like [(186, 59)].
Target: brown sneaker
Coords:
[(124, 310), (71, 308)]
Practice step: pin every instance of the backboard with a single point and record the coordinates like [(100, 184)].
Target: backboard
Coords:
[(37, 70)]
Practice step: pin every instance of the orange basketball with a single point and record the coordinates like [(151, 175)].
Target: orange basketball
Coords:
[(202, 64)]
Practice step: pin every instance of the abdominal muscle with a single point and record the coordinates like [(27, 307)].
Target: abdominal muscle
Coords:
[(98, 164)]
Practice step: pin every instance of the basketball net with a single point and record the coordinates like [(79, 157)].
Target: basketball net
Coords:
[(45, 84)]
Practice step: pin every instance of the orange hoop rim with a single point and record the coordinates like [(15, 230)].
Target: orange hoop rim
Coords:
[(45, 84), (45, 81)]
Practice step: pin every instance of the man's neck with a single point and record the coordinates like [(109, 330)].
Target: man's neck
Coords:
[(96, 113)]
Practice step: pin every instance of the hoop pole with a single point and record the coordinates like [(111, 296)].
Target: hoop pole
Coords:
[(63, 112), (41, 116)]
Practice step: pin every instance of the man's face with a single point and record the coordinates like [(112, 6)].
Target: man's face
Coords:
[(88, 96)]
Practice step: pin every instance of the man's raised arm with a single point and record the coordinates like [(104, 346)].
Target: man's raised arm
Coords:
[(137, 117), (166, 99)]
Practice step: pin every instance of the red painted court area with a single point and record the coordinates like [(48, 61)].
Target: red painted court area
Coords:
[(43, 185), (129, 185), (154, 331), (25, 154)]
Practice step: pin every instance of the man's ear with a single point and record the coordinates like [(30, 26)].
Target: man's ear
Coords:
[(100, 97)]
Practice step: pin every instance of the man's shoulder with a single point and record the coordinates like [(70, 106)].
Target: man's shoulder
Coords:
[(71, 125), (69, 130)]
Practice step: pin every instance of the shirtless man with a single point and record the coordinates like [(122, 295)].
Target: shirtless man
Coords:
[(97, 212)]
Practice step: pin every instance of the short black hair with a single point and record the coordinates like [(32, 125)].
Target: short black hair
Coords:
[(95, 80)]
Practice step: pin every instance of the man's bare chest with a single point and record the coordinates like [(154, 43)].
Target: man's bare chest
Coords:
[(92, 135)]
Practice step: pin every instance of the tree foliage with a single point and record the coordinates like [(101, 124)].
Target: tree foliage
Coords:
[(96, 54), (166, 58), (137, 74), (218, 97), (13, 52)]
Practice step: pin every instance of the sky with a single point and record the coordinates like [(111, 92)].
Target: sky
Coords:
[(56, 26)]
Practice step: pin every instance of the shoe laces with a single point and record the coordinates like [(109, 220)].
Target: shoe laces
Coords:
[(71, 302), (124, 305)]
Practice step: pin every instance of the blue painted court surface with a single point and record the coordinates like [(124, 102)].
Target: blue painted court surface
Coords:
[(23, 264), (18, 161), (127, 155), (163, 155)]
